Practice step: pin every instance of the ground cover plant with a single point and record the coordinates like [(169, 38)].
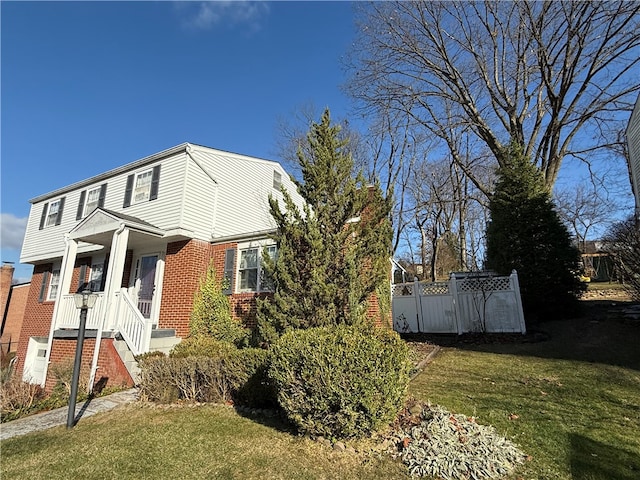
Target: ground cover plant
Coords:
[(571, 402)]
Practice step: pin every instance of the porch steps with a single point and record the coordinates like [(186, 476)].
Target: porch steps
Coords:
[(162, 340)]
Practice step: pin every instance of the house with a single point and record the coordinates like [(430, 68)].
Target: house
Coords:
[(633, 144), (140, 237), (13, 300)]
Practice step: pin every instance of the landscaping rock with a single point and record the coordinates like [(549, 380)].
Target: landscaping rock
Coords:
[(339, 446)]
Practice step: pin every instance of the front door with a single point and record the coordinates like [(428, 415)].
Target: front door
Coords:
[(146, 275)]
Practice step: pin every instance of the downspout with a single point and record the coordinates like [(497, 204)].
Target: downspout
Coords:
[(96, 348)]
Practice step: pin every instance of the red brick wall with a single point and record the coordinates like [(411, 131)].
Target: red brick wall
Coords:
[(6, 277), (37, 316), (15, 316), (185, 263), (111, 371)]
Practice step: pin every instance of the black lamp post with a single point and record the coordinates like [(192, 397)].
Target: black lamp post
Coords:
[(84, 301)]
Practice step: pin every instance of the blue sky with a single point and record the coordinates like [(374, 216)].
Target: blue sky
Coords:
[(90, 86)]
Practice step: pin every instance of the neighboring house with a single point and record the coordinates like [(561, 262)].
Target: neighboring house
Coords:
[(13, 298), (633, 143), (141, 236)]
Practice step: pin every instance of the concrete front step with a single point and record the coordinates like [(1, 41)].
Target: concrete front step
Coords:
[(162, 340)]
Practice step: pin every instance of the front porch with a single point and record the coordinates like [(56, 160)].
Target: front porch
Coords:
[(128, 301)]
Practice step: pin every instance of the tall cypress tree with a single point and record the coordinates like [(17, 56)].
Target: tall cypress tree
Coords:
[(526, 234), (334, 252)]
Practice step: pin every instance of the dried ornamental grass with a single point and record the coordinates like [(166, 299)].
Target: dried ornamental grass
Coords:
[(435, 442)]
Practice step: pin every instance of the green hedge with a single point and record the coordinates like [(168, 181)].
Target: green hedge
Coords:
[(340, 381)]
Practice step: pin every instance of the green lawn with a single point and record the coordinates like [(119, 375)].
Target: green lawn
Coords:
[(576, 397)]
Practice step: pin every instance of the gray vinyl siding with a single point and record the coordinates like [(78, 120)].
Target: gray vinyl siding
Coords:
[(211, 195), (199, 200), (164, 212), (244, 186)]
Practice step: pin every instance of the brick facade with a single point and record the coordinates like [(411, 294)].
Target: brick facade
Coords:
[(37, 315), (111, 371), (185, 263)]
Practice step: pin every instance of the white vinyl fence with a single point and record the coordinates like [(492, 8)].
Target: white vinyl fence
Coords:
[(468, 302)]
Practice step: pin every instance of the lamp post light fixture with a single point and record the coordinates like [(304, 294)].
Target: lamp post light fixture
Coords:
[(84, 301)]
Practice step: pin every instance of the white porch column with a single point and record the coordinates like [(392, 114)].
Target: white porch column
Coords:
[(66, 273), (115, 270)]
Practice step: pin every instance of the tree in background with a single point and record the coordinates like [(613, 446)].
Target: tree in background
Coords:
[(333, 252), (553, 76), (526, 234), (622, 241)]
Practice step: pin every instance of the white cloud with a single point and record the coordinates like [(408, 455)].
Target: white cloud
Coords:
[(12, 231), (206, 15)]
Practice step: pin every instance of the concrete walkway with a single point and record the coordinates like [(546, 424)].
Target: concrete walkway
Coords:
[(54, 418)]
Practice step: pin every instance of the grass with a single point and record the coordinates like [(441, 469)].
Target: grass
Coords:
[(212, 442), (572, 402)]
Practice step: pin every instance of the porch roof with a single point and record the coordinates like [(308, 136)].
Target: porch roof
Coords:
[(99, 225)]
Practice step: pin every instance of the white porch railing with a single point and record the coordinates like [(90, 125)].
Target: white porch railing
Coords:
[(134, 328), (69, 315), (125, 318)]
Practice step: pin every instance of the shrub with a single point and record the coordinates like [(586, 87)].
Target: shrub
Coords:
[(18, 398), (211, 315), (202, 369), (257, 391), (340, 381), (202, 347), (62, 372)]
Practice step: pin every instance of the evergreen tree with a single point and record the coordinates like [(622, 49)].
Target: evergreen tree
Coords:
[(211, 313), (334, 252), (526, 234)]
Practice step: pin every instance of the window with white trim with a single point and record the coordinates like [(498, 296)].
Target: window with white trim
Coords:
[(54, 283), (52, 213), (142, 189), (95, 279), (252, 277), (92, 202)]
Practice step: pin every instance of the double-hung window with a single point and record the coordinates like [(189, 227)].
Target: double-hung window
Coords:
[(249, 269), (93, 200), (253, 277), (52, 213), (54, 283), (142, 186)]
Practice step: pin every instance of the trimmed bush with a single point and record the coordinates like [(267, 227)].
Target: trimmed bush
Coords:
[(257, 391), (340, 381), (202, 347), (190, 379), (202, 369)]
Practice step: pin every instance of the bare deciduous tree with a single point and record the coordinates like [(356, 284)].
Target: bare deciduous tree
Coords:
[(538, 73)]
